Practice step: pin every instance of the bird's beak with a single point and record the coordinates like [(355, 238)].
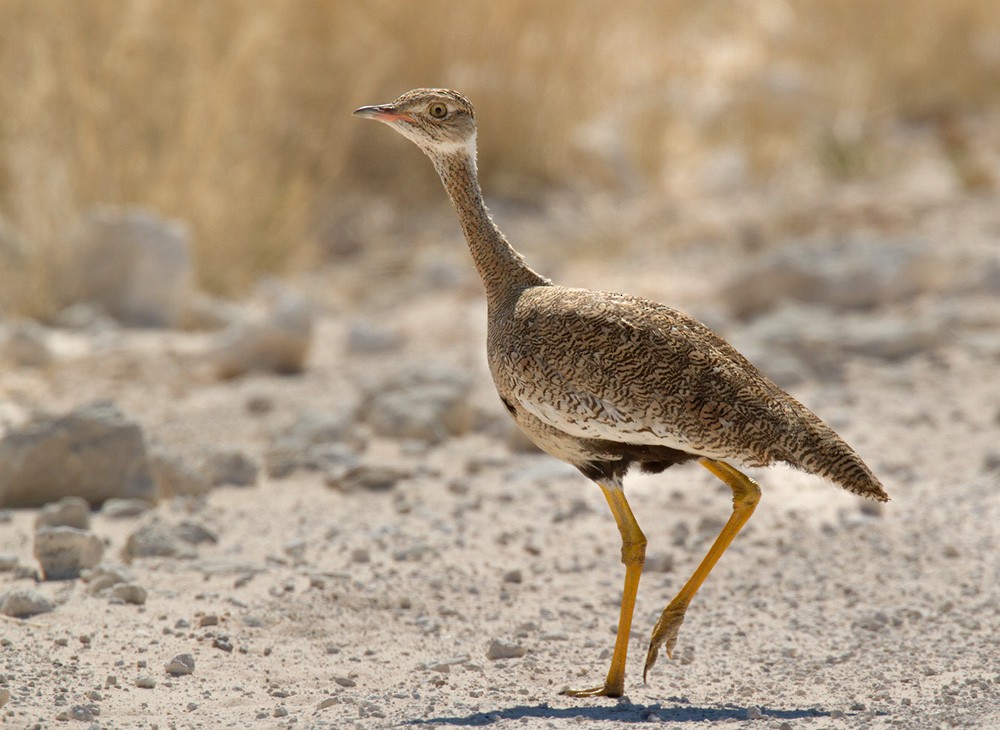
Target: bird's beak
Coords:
[(382, 112)]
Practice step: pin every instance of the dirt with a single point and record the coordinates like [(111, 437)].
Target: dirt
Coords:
[(325, 606)]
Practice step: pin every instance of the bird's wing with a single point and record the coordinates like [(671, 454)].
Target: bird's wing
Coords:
[(607, 366)]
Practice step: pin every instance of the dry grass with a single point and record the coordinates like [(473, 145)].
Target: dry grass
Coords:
[(235, 114)]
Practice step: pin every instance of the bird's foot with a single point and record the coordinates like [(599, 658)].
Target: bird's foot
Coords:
[(606, 690), (665, 633)]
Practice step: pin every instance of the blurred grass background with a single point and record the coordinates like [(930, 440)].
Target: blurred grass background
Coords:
[(234, 115)]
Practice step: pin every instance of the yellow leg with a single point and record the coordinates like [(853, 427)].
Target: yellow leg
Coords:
[(633, 556), (746, 494)]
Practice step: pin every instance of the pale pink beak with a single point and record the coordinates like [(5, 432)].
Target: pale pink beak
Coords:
[(382, 112)]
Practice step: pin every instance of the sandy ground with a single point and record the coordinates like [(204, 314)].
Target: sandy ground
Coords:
[(367, 608)]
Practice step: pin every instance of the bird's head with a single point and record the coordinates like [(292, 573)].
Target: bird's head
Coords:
[(440, 121)]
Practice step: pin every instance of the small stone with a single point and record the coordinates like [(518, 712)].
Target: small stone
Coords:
[(155, 539), (119, 508), (328, 702), (8, 562), (504, 650), (67, 512), (279, 711), (513, 576), (259, 404), (173, 476), (4, 696), (104, 576), (296, 547), (360, 555), (180, 665), (27, 345), (144, 681), (111, 681), (129, 593), (230, 467), (366, 477), (65, 551), (345, 681), (223, 643), (83, 713), (209, 619), (754, 713), (950, 551)]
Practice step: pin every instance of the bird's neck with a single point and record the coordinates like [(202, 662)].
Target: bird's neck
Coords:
[(502, 269)]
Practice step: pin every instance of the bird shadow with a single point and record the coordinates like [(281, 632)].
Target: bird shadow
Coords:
[(624, 711)]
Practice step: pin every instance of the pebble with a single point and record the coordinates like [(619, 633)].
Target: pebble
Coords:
[(173, 476), (67, 512), (180, 665), (209, 619), (27, 345), (513, 576), (4, 696), (129, 593), (8, 562), (144, 681), (230, 467), (64, 551), (328, 702), (155, 539), (118, 508), (84, 713), (754, 713), (368, 338), (345, 681), (366, 477), (104, 576), (504, 650)]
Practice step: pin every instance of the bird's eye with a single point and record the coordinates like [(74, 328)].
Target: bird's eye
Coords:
[(437, 110)]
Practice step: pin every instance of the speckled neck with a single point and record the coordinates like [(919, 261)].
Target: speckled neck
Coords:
[(502, 269)]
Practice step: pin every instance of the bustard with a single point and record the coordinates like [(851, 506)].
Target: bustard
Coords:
[(607, 381)]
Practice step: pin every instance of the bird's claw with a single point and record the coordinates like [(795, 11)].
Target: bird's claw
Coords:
[(665, 634), (606, 690)]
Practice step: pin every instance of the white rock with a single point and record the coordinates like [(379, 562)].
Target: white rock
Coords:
[(426, 403), (67, 512), (174, 477), (180, 665), (25, 602), (137, 266), (65, 551), (504, 650), (129, 593), (230, 467), (274, 339)]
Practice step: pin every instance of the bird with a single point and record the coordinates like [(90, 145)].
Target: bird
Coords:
[(608, 381)]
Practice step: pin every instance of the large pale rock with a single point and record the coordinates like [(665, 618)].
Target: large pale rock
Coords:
[(25, 602), (317, 441), (426, 404), (63, 552), (93, 452), (137, 266), (67, 512), (274, 337), (852, 274)]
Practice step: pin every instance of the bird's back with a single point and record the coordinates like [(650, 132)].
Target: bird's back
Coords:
[(606, 368)]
